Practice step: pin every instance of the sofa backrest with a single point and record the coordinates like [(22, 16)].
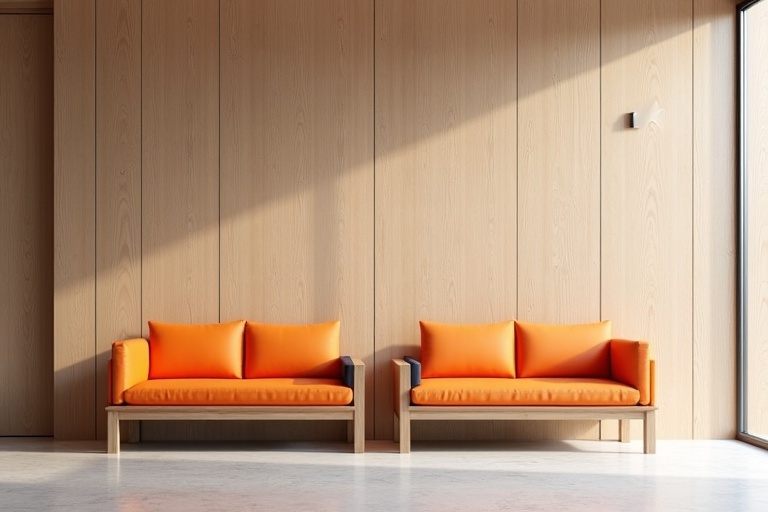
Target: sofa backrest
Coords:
[(467, 350), (178, 351), (294, 351), (240, 349), (548, 350)]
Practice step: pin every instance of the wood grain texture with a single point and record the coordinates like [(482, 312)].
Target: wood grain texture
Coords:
[(180, 168), (297, 170), (559, 161), (445, 176), (559, 164), (714, 217), (647, 227), (118, 185), (74, 219), (26, 6), (180, 161), (26, 225), (756, 167)]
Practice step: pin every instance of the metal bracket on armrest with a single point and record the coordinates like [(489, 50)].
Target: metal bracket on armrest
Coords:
[(348, 371), (415, 370)]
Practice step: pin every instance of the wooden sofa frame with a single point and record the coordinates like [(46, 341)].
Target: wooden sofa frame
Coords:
[(354, 414), (405, 412)]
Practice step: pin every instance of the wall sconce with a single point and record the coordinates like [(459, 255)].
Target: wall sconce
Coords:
[(637, 120)]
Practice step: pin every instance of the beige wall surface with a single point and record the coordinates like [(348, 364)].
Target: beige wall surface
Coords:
[(297, 174), (559, 190), (74, 208), (387, 161), (445, 177), (118, 184), (26, 225), (646, 284), (714, 219)]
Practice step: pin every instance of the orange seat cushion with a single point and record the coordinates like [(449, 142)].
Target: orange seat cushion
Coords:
[(273, 351), (239, 392), (546, 350), (456, 350), (554, 391), (178, 351)]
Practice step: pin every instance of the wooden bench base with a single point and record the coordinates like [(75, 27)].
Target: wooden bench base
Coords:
[(623, 414), (353, 414), (405, 412)]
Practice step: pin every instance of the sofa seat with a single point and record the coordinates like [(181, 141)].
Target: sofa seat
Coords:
[(278, 391), (524, 392)]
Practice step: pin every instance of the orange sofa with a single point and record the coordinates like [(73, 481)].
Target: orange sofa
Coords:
[(234, 371), (525, 371)]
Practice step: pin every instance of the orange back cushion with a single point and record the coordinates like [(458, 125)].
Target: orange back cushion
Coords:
[(455, 350), (581, 350), (273, 351), (178, 351)]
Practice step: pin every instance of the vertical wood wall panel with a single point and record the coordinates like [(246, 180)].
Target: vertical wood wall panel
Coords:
[(445, 177), (297, 172), (647, 191), (180, 164), (180, 161), (559, 161), (118, 184), (26, 225), (559, 167), (756, 163), (714, 214), (74, 219)]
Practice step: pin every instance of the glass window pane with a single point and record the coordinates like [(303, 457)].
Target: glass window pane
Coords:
[(755, 161)]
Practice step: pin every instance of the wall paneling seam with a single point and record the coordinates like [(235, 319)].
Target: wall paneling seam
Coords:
[(95, 221), (517, 159), (693, 218), (373, 217)]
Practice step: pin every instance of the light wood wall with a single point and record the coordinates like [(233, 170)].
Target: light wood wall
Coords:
[(387, 161), (26, 225), (118, 184), (74, 208), (714, 219), (559, 191), (646, 285), (446, 188), (297, 173)]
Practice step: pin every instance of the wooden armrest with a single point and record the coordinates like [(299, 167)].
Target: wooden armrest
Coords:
[(402, 385)]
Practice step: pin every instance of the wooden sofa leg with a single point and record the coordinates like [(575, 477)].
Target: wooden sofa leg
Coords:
[(404, 422), (359, 432), (624, 431), (113, 432), (649, 432), (359, 402)]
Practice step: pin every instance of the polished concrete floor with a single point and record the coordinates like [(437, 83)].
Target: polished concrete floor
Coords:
[(41, 475)]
